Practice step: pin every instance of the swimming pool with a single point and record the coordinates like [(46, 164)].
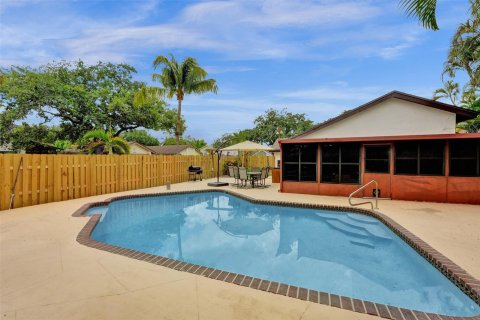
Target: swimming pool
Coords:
[(342, 253)]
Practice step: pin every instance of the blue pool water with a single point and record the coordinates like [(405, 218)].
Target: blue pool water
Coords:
[(347, 254)]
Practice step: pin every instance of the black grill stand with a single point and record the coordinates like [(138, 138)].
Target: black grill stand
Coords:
[(193, 172)]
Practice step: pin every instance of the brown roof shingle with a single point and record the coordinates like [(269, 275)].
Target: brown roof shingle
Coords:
[(168, 150)]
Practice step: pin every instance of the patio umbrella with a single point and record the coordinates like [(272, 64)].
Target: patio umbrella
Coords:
[(247, 146)]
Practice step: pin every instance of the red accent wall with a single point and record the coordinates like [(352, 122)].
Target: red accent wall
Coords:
[(331, 189), (384, 184), (419, 188), (300, 187), (463, 190), (399, 187), (413, 188)]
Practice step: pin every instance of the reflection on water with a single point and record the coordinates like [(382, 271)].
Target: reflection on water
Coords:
[(343, 253)]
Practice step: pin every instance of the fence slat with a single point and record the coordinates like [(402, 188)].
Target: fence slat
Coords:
[(49, 178)]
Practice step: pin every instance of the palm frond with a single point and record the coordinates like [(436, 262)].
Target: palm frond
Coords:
[(148, 94), (120, 144), (439, 94), (203, 86), (93, 146), (187, 67), (159, 60), (424, 10), (96, 134), (170, 71)]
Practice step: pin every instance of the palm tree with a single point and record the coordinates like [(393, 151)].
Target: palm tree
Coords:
[(424, 10), (178, 80), (197, 144), (100, 141), (450, 91), (464, 53)]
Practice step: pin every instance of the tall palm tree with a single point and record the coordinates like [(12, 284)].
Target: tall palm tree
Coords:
[(464, 53), (178, 80), (100, 141)]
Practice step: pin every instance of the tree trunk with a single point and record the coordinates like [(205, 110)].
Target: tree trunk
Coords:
[(178, 131)]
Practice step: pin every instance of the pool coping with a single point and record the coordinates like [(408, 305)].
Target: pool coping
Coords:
[(464, 281)]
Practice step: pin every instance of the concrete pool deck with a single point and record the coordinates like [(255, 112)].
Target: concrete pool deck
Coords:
[(47, 274)]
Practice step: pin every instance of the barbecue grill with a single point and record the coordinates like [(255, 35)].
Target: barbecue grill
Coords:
[(193, 172)]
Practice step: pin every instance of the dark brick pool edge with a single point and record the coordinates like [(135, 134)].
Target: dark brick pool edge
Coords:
[(457, 275)]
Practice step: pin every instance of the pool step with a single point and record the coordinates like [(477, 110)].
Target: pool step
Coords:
[(363, 243), (362, 227), (354, 232), (362, 218)]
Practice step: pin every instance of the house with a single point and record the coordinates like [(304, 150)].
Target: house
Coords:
[(406, 143), (263, 153), (184, 150), (207, 150), (138, 148), (276, 153)]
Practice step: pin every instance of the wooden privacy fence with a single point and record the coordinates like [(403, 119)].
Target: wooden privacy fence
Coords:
[(48, 178)]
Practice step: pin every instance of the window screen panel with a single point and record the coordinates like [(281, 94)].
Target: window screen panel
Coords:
[(330, 153), (350, 173), (465, 158), (331, 173), (291, 172), (377, 159), (308, 172)]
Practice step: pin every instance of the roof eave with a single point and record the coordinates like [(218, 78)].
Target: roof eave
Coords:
[(462, 114)]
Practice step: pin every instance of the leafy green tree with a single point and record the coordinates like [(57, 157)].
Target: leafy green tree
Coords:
[(100, 141), (195, 143), (233, 138), (141, 136), (276, 124), (178, 80), (33, 138), (171, 141), (80, 97)]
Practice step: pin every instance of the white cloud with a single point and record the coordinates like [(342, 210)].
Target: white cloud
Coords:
[(227, 69), (237, 30), (284, 13), (339, 91)]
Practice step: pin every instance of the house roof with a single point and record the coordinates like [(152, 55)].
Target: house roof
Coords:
[(168, 150), (443, 136), (462, 113), (247, 146), (144, 147), (276, 146)]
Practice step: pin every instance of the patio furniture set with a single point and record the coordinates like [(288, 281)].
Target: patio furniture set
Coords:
[(255, 177)]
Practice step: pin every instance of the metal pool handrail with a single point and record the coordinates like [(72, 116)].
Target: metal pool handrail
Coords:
[(365, 202)]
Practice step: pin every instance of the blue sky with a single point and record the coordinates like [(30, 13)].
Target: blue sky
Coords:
[(313, 57)]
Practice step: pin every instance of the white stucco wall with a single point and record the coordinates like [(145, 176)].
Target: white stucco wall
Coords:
[(277, 157), (393, 117), (135, 149)]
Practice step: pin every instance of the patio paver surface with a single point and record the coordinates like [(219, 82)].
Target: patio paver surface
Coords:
[(46, 274)]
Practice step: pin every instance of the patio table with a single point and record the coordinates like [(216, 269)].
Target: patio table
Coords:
[(253, 175)]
